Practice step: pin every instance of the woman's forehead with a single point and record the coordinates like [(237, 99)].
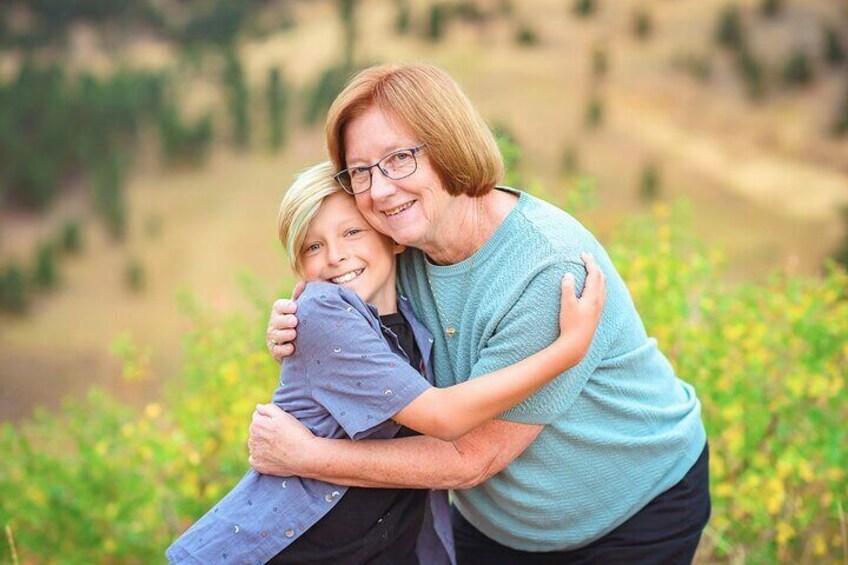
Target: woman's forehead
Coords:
[(375, 133)]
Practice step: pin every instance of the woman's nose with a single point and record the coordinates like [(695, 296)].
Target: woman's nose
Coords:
[(381, 186)]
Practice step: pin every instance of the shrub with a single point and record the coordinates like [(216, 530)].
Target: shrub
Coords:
[(13, 289), (526, 36), (841, 254), (771, 8), (277, 107), (729, 32), (643, 24), (109, 194), (45, 273), (134, 276), (649, 183), (594, 111), (238, 99), (698, 66), (834, 52), (570, 160), (798, 70), (840, 122), (511, 153), (600, 62), (402, 17), (436, 22), (329, 84), (183, 143), (584, 8), (752, 73), (70, 238)]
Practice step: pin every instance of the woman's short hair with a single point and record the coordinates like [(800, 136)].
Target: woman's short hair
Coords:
[(300, 204), (431, 104)]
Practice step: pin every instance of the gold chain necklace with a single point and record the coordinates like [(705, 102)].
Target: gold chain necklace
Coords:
[(450, 330)]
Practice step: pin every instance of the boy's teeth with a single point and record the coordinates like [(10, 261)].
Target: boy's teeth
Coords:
[(346, 277), (399, 209)]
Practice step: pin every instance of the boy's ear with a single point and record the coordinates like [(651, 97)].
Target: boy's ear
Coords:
[(397, 248)]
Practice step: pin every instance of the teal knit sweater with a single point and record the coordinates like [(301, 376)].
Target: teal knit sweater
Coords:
[(620, 428)]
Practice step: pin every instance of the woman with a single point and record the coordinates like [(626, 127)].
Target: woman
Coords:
[(608, 463)]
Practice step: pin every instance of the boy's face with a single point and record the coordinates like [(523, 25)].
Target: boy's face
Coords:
[(342, 248)]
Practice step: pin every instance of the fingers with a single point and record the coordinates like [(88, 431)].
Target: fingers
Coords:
[(284, 321), (297, 291), (285, 306), (268, 410), (283, 336), (281, 351), (596, 282), (569, 291)]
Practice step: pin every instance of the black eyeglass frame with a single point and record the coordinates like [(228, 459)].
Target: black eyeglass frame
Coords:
[(412, 150)]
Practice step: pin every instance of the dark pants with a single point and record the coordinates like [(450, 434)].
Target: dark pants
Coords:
[(665, 532)]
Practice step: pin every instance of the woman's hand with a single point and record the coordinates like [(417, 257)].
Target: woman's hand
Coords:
[(579, 317), (281, 333), (278, 442)]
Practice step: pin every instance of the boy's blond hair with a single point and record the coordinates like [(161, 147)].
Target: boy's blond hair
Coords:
[(300, 204)]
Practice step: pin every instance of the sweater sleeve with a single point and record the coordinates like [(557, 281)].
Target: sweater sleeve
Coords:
[(530, 325)]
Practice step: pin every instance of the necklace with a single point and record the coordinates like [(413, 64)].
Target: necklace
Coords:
[(450, 329)]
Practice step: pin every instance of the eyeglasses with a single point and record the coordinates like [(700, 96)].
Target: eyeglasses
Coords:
[(395, 166)]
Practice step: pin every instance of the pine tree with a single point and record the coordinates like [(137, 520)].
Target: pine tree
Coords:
[(277, 106)]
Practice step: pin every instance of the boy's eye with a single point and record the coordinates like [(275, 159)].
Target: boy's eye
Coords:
[(312, 248), (354, 231)]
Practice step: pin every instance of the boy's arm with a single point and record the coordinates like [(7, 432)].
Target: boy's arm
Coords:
[(449, 413), (280, 445)]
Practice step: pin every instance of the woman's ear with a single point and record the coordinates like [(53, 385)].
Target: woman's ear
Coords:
[(397, 248)]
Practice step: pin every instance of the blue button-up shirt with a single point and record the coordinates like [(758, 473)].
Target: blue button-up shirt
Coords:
[(347, 378)]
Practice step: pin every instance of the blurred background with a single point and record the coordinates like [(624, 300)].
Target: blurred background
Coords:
[(145, 145)]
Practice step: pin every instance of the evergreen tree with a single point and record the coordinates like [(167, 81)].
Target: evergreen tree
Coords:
[(277, 105), (771, 8), (238, 99), (584, 8), (649, 183), (436, 22), (643, 24), (594, 111), (834, 52), (729, 31), (402, 17), (798, 69), (70, 238), (13, 295), (45, 274)]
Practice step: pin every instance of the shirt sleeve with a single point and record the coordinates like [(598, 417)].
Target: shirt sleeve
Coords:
[(530, 325), (351, 370)]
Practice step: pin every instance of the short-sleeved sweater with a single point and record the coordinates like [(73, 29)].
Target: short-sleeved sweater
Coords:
[(620, 428)]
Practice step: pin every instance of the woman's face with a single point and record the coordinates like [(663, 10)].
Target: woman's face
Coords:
[(409, 210)]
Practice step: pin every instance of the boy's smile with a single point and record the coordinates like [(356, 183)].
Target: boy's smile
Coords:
[(342, 248)]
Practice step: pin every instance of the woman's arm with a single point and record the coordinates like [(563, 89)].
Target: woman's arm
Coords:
[(282, 446), (449, 413)]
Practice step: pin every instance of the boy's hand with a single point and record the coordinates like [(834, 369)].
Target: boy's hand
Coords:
[(579, 317), (281, 331)]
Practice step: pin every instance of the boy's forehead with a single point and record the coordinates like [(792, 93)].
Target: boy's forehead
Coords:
[(336, 209)]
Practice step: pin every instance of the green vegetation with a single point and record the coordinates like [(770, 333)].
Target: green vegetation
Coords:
[(642, 24), (329, 84), (402, 17), (278, 102), (70, 238), (584, 8), (570, 160), (649, 183), (698, 66), (729, 32), (436, 22), (13, 289), (512, 155), (841, 254), (238, 99), (134, 276), (600, 62), (771, 8), (526, 36), (109, 194), (840, 122), (45, 274), (753, 75), (181, 142), (834, 52), (594, 111), (100, 482), (798, 70)]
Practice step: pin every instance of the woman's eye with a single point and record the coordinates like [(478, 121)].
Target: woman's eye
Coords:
[(354, 231), (358, 173)]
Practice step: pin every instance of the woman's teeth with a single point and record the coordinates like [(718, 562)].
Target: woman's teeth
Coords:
[(399, 209), (347, 277)]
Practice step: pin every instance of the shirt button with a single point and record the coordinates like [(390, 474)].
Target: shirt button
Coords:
[(289, 533)]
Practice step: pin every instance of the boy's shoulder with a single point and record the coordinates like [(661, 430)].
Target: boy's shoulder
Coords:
[(327, 298)]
